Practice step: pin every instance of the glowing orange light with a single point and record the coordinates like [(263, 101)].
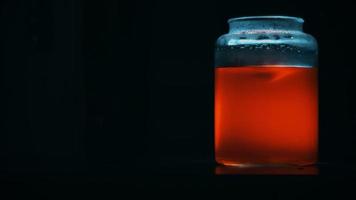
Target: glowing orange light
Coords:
[(266, 115)]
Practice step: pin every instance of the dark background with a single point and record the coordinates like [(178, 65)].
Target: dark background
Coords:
[(122, 89)]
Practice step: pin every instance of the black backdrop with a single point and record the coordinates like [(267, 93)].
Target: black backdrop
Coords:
[(126, 86)]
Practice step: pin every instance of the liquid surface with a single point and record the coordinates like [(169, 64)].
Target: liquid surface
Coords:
[(266, 115)]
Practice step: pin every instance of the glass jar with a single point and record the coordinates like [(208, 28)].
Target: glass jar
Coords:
[(266, 93)]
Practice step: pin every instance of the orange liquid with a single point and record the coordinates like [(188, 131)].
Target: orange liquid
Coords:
[(266, 115)]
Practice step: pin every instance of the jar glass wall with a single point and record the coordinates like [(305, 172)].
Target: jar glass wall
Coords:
[(266, 93)]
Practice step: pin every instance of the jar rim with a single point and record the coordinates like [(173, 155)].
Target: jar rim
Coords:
[(267, 17)]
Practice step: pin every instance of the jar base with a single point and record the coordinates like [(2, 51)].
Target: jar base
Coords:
[(266, 169), (266, 164)]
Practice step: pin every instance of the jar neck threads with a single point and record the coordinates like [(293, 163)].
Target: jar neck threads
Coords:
[(266, 23)]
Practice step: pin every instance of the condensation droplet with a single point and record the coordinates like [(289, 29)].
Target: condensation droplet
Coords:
[(276, 37), (262, 37)]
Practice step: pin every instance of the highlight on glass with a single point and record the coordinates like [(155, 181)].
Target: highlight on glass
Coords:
[(266, 93)]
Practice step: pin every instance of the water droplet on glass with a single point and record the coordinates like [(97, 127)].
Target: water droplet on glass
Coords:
[(262, 37)]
